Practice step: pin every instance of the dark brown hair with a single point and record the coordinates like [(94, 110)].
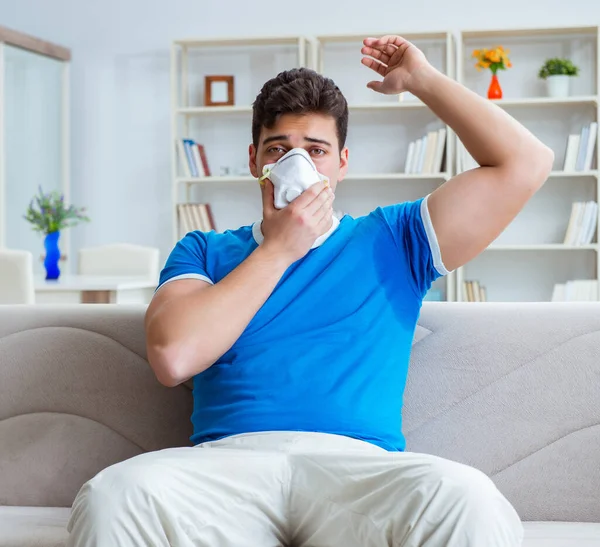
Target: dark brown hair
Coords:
[(299, 91)]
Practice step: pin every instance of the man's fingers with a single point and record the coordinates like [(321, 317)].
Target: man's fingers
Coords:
[(326, 203), (379, 87), (268, 197), (376, 54), (307, 197), (322, 200), (384, 41), (374, 65), (326, 217)]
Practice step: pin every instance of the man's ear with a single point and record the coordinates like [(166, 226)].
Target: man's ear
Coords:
[(343, 164), (252, 161)]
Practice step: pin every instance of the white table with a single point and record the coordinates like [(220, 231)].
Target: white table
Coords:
[(90, 289)]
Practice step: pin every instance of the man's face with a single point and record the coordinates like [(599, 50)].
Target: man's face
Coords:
[(316, 133)]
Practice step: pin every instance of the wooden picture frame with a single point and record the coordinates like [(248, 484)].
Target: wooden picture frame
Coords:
[(218, 91)]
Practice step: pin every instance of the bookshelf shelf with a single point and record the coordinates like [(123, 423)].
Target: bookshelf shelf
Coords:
[(440, 177), (211, 110), (243, 109), (214, 180), (591, 100), (400, 105), (550, 32), (544, 247), (238, 41), (398, 176), (573, 174)]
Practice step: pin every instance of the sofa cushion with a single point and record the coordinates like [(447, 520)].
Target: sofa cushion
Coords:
[(33, 526), (561, 534)]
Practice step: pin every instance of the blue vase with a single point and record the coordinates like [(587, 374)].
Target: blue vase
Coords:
[(52, 255)]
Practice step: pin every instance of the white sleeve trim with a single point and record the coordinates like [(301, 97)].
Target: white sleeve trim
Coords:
[(434, 246), (187, 276)]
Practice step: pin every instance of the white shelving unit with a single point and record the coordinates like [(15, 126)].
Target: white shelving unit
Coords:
[(525, 261), (529, 258)]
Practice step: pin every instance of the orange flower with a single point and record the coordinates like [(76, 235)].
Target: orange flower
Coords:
[(494, 58)]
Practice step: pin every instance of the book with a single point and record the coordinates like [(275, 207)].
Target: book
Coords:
[(439, 151), (211, 218), (430, 152), (582, 149), (586, 219), (571, 152), (474, 291), (204, 160), (568, 240), (409, 157), (582, 223), (590, 228), (422, 150), (183, 159), (591, 145), (188, 144), (416, 159), (578, 290), (197, 161), (194, 216)]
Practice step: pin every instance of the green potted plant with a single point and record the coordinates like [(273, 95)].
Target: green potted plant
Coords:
[(48, 214), (558, 73)]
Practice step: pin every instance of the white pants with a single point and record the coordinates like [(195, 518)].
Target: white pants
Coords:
[(293, 490)]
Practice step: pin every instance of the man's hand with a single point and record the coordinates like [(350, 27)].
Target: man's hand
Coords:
[(394, 58), (291, 231)]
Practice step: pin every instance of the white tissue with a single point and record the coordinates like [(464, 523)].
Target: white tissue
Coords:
[(291, 175)]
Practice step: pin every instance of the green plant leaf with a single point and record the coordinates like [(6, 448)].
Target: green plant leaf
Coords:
[(48, 213), (557, 66)]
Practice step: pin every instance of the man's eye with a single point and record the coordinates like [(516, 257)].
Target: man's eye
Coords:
[(318, 151), (275, 150)]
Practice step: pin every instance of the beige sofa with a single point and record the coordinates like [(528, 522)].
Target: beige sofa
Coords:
[(513, 390)]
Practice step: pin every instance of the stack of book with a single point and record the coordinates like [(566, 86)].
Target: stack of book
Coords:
[(582, 224), (192, 157), (194, 216), (425, 155), (474, 292), (580, 290), (580, 149)]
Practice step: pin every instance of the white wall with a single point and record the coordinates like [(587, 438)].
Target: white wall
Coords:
[(120, 79)]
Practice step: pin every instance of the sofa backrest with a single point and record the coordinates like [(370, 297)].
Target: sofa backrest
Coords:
[(512, 389), (77, 395)]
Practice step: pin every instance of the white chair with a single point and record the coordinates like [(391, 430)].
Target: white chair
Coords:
[(119, 259), (16, 277)]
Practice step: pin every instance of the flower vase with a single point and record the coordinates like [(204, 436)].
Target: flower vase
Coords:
[(52, 255), (494, 91)]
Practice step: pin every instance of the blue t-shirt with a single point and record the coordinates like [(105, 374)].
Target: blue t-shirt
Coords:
[(329, 349)]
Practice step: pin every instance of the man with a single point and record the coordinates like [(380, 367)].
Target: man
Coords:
[(297, 332)]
